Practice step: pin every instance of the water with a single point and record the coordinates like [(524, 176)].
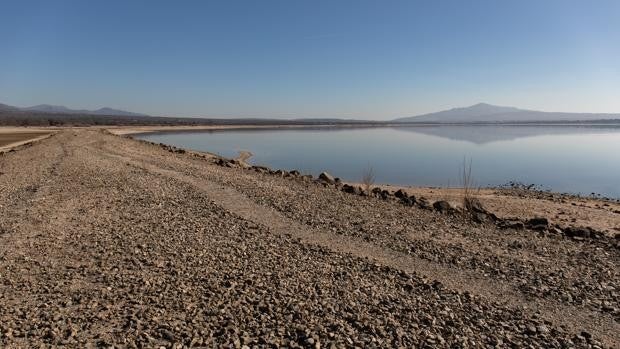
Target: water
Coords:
[(574, 159)]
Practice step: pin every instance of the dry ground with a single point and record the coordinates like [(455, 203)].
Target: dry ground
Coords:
[(107, 241), (564, 210), (15, 136)]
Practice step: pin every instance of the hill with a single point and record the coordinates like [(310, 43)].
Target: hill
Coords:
[(488, 113), (59, 109)]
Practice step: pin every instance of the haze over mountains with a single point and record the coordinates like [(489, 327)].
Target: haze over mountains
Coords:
[(59, 109), (483, 112)]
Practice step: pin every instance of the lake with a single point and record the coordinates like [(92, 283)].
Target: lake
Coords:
[(573, 159)]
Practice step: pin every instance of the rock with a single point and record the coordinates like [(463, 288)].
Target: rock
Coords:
[(580, 232), (376, 192), (261, 169), (401, 194), (351, 189), (425, 204), (295, 173), (542, 329), (474, 205), (280, 173), (511, 224), (443, 206), (479, 217), (538, 223), (385, 194), (326, 177), (237, 163), (167, 335), (407, 201)]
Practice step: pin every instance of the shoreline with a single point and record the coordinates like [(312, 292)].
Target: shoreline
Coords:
[(131, 130), (508, 205), (562, 209)]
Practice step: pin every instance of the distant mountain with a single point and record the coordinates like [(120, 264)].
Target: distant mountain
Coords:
[(116, 112), (59, 109), (483, 112), (46, 108), (4, 107)]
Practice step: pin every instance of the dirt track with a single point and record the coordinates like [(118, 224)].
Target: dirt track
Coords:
[(109, 241)]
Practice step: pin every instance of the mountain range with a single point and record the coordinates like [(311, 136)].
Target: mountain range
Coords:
[(59, 109), (487, 113), (478, 113)]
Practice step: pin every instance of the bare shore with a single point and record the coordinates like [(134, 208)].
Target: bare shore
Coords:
[(519, 203), (109, 241), (12, 137)]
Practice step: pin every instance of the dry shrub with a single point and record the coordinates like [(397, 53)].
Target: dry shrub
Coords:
[(368, 179), (470, 193)]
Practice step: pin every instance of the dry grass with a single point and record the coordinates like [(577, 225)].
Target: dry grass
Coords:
[(368, 179), (470, 196)]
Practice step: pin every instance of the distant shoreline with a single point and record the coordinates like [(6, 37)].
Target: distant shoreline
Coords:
[(132, 130)]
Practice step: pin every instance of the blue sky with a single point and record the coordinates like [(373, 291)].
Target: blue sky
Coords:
[(289, 58)]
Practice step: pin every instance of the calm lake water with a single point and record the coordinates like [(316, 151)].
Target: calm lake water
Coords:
[(575, 159)]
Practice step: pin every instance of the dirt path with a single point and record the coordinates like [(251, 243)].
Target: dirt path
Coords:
[(124, 243)]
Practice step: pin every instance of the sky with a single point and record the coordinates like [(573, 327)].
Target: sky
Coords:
[(292, 58)]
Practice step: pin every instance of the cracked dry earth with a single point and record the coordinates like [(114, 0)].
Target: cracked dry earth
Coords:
[(110, 242)]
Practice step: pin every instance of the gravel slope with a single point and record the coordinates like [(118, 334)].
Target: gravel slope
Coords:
[(107, 241)]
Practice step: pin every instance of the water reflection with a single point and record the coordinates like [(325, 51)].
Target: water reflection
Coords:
[(483, 134), (575, 159)]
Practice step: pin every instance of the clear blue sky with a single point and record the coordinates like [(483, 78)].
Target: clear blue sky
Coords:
[(289, 58)]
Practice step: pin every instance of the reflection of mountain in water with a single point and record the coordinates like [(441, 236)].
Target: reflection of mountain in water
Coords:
[(481, 134)]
